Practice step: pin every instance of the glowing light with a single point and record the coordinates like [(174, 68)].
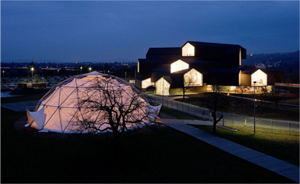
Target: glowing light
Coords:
[(232, 88), (209, 88), (240, 57), (193, 78), (90, 68), (32, 69), (188, 50), (162, 87), (260, 77), (178, 66), (146, 83)]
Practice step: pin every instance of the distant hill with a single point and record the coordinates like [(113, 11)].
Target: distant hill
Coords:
[(289, 62)]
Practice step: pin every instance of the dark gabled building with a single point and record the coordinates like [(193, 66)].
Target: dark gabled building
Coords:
[(195, 64)]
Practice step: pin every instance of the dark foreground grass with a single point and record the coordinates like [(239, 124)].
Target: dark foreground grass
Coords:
[(283, 147), (160, 154)]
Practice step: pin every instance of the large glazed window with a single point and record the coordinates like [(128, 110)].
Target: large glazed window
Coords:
[(179, 65), (162, 87), (188, 50), (193, 78), (146, 83), (260, 77)]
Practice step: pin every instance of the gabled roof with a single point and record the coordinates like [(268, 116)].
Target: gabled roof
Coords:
[(208, 44), (164, 51)]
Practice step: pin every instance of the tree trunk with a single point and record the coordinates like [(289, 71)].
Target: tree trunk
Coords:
[(214, 127), (214, 122)]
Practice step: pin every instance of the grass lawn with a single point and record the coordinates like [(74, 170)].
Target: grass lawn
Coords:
[(178, 114), (245, 107), (283, 147), (156, 154), (277, 144)]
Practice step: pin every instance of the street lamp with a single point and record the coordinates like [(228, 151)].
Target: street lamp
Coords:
[(81, 69), (32, 69), (90, 68), (254, 82)]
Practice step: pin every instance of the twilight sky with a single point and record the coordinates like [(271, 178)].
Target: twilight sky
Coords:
[(102, 31)]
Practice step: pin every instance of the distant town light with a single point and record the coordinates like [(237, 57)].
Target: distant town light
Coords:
[(32, 69), (90, 68)]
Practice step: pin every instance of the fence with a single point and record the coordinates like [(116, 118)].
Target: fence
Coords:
[(245, 123)]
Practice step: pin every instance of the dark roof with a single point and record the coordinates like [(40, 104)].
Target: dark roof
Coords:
[(191, 61), (164, 51), (168, 78), (163, 68), (226, 70), (209, 44)]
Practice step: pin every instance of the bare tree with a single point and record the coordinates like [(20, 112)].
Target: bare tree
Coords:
[(216, 101), (108, 105), (188, 82), (275, 98)]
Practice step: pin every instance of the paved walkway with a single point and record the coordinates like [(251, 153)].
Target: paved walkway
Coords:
[(20, 106), (273, 164)]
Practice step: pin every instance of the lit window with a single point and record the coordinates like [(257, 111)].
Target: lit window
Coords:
[(260, 77), (179, 65), (193, 78), (162, 87), (240, 57), (146, 83), (188, 50), (209, 88)]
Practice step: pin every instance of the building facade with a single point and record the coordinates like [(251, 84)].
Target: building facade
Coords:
[(197, 66)]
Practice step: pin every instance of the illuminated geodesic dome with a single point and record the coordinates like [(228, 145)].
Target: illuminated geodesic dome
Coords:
[(86, 98)]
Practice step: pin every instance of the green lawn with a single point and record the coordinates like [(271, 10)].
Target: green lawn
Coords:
[(156, 154), (245, 107), (283, 147), (178, 114)]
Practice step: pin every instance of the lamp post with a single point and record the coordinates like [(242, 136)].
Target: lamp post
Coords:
[(32, 69), (254, 82)]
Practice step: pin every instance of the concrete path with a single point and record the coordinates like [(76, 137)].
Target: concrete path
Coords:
[(20, 106), (273, 164)]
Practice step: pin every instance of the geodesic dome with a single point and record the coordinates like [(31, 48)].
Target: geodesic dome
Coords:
[(86, 98)]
